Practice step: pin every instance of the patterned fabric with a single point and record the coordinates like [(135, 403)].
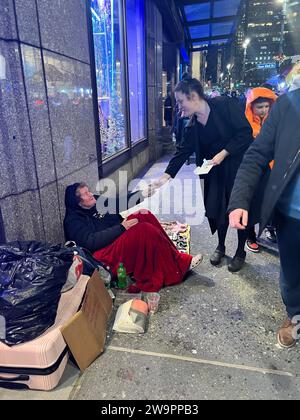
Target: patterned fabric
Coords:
[(179, 234)]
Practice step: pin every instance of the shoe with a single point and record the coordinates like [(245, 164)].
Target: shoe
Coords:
[(252, 246), (271, 236), (216, 257), (236, 264), (285, 335), (196, 260)]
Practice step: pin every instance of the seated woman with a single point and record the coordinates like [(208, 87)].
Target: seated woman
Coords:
[(139, 241)]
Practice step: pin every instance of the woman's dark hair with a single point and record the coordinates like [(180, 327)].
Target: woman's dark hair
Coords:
[(189, 85)]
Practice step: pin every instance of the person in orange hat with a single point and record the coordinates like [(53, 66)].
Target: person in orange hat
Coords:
[(259, 103)]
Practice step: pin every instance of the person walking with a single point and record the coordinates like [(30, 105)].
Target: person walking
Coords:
[(279, 140)]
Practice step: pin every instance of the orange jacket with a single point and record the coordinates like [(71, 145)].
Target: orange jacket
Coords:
[(255, 121), (252, 95)]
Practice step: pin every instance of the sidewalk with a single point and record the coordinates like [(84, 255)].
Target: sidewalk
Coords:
[(214, 337)]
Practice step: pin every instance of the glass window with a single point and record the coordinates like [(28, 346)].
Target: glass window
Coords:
[(109, 50), (136, 67)]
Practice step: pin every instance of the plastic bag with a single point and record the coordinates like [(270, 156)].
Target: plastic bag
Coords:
[(74, 274), (90, 264), (131, 317), (32, 275)]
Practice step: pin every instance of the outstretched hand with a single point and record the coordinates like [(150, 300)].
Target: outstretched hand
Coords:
[(153, 187), (238, 219)]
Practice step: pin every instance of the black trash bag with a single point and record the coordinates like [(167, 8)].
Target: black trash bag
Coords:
[(32, 275)]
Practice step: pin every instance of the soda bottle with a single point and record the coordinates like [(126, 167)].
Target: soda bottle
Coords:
[(122, 278)]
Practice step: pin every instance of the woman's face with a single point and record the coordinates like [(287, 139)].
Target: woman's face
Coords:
[(87, 198), (187, 105)]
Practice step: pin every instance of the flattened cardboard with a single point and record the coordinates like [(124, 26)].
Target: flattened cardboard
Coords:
[(85, 333)]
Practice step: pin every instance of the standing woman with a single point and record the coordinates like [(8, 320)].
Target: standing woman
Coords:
[(218, 131)]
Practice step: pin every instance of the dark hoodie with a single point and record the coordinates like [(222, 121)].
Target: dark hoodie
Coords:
[(87, 227)]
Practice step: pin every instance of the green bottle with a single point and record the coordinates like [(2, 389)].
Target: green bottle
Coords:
[(122, 278)]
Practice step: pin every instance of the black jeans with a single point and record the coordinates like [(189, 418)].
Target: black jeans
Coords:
[(288, 238)]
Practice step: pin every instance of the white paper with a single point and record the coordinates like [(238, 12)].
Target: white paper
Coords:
[(204, 169), (151, 203)]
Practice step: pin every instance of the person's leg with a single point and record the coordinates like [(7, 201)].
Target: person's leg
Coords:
[(251, 242), (252, 234), (222, 232), (219, 253), (271, 231), (242, 237), (238, 260), (288, 235), (145, 216), (148, 255)]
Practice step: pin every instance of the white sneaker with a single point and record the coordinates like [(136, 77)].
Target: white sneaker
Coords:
[(196, 260)]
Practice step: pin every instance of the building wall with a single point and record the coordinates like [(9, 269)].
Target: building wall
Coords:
[(47, 137), (46, 114)]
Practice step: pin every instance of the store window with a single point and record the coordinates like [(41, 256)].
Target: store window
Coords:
[(110, 74), (136, 68)]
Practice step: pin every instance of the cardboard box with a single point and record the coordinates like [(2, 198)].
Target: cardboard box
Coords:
[(85, 332)]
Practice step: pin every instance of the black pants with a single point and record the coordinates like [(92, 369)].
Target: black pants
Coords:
[(242, 237), (288, 238), (252, 234)]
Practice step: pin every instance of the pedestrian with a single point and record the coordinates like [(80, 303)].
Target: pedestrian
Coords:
[(218, 131), (279, 140), (259, 103), (168, 110)]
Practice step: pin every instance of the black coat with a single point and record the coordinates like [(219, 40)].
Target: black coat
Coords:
[(86, 227), (234, 134), (279, 139)]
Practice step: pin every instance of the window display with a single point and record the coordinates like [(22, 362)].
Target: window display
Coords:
[(136, 67), (110, 74)]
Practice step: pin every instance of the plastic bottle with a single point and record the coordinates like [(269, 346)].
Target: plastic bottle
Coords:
[(122, 278)]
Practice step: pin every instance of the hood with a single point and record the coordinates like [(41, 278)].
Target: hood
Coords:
[(71, 201), (252, 95)]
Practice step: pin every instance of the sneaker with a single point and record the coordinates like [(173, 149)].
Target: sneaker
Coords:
[(285, 335), (271, 235), (252, 246), (236, 264), (216, 257), (196, 260)]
